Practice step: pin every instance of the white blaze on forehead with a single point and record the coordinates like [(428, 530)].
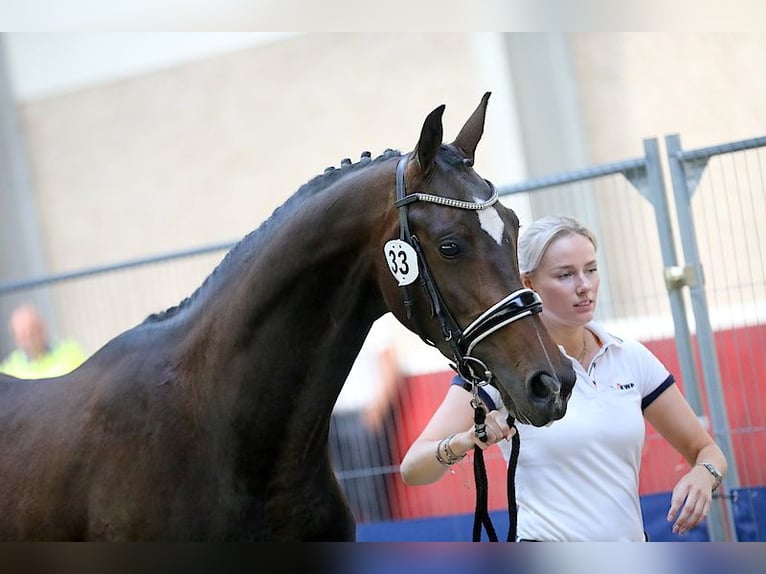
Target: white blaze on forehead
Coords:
[(490, 222)]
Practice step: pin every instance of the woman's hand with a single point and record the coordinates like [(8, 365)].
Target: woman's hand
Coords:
[(497, 429), (692, 495), (450, 434)]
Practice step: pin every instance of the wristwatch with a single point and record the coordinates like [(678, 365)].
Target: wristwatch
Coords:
[(714, 471)]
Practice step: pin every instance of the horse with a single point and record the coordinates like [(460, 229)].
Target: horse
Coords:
[(208, 421)]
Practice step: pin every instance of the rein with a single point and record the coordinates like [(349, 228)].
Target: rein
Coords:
[(515, 306)]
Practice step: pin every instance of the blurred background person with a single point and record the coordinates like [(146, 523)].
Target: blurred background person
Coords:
[(35, 355), (361, 426)]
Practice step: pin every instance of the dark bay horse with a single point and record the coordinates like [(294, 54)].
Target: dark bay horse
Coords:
[(209, 421)]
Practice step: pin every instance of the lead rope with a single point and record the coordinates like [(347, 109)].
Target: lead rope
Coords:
[(481, 514), (511, 484)]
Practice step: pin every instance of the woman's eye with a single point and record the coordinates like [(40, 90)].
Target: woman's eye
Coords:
[(449, 249)]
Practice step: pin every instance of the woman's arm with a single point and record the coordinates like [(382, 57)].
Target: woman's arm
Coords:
[(454, 416), (675, 420)]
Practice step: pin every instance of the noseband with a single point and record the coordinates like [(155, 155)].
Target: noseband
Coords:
[(513, 307)]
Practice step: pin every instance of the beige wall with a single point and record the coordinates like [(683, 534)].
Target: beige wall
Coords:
[(708, 87), (205, 151)]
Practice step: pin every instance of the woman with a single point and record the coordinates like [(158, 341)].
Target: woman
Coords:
[(577, 479)]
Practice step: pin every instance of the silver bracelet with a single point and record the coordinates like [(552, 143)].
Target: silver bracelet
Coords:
[(714, 471), (449, 458), (450, 453), (439, 456)]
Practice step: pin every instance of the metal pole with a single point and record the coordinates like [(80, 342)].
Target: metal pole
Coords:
[(721, 517), (656, 194)]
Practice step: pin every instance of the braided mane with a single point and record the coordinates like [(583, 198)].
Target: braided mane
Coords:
[(316, 185)]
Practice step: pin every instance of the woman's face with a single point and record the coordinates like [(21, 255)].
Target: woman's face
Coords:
[(567, 281)]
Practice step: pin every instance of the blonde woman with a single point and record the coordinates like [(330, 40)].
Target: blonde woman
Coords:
[(577, 479)]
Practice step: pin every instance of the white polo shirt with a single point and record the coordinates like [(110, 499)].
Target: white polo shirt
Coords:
[(577, 479)]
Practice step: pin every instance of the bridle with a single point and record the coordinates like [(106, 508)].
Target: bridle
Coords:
[(515, 306)]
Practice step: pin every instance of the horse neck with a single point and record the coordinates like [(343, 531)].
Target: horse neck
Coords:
[(298, 303)]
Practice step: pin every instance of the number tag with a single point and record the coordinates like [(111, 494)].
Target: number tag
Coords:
[(402, 261)]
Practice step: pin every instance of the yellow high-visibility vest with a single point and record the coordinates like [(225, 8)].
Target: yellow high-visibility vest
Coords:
[(61, 359)]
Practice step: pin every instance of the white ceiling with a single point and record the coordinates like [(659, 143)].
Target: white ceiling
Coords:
[(44, 64)]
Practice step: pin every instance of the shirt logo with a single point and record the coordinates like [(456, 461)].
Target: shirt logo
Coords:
[(623, 386)]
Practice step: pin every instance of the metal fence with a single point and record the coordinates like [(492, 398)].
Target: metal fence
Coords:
[(702, 312)]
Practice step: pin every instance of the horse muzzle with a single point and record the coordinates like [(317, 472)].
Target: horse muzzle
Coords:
[(548, 395), (542, 400)]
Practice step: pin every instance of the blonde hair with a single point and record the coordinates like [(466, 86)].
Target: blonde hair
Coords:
[(536, 238)]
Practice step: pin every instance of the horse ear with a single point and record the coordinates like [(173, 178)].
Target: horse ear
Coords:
[(469, 136), (430, 139)]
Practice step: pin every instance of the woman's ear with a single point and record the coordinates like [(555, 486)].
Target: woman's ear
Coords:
[(526, 281)]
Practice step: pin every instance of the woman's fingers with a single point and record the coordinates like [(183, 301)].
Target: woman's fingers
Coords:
[(497, 427), (688, 506)]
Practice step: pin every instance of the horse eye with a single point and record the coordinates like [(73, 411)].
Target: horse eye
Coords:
[(449, 249)]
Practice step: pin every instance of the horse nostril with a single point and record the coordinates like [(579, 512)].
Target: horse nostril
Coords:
[(543, 387)]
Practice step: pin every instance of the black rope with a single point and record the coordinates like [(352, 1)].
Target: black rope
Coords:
[(511, 487), (481, 517), (481, 514)]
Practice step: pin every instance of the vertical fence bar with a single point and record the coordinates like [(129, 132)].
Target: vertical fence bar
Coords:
[(705, 339), (656, 194)]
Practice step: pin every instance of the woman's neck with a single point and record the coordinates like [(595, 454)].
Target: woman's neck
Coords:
[(575, 340)]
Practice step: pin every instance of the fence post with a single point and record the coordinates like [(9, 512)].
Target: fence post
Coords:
[(721, 519), (656, 194)]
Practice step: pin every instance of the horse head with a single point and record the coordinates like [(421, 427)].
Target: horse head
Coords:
[(456, 280)]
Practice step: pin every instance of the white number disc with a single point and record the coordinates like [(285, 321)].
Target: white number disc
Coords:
[(402, 261)]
